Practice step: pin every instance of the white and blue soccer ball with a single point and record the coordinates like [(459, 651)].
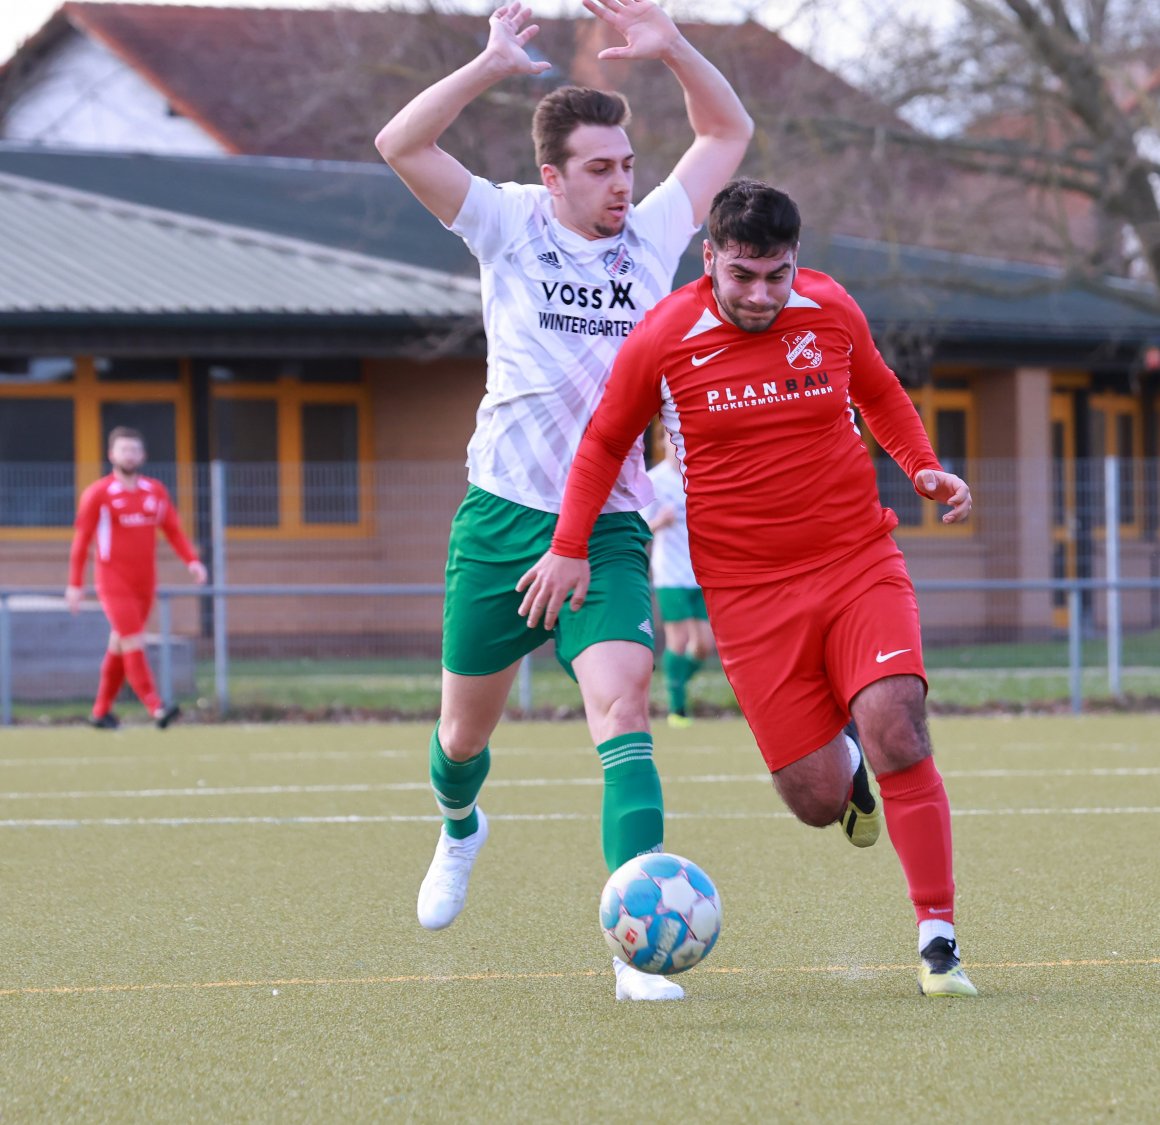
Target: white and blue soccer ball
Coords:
[(660, 913)]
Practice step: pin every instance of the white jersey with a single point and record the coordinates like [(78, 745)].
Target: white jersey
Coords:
[(670, 565), (556, 308)]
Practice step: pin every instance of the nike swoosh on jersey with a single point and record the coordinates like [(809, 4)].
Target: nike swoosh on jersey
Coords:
[(882, 657), (701, 360)]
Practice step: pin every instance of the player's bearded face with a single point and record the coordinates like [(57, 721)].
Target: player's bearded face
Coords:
[(127, 455), (591, 194), (750, 291)]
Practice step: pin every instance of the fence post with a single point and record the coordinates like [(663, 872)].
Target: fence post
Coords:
[(5, 663), (221, 656), (1074, 649), (165, 614), (1112, 546)]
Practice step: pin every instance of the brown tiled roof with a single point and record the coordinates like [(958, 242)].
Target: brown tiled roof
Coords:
[(320, 83)]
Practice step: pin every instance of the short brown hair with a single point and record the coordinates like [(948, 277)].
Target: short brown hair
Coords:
[(755, 217), (561, 111), (126, 432)]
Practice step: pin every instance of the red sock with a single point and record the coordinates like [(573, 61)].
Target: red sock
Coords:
[(112, 677), (141, 679), (918, 817)]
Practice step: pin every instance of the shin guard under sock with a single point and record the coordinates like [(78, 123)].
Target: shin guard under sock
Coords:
[(918, 818), (633, 816), (456, 786), (112, 677), (141, 679), (675, 666)]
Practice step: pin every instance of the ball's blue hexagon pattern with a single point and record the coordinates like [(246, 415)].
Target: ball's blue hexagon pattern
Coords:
[(641, 898), (655, 931)]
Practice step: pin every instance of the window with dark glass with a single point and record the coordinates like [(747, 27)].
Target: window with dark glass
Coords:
[(35, 369), (338, 369), (1126, 451), (1058, 475), (137, 370), (897, 492), (245, 437), (1092, 481), (330, 477), (37, 469), (951, 441)]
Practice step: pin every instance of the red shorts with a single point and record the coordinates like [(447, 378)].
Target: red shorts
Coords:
[(127, 610), (798, 649)]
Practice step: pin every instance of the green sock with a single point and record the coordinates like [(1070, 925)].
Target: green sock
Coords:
[(675, 666), (695, 664), (456, 785), (633, 816)]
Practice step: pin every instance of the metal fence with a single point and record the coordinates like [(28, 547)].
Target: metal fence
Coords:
[(339, 568)]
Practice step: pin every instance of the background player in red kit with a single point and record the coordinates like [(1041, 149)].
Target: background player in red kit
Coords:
[(754, 369), (124, 511)]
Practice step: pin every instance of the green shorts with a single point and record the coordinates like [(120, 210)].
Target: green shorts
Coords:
[(493, 543), (682, 603)]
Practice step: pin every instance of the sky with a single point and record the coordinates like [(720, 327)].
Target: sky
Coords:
[(829, 43)]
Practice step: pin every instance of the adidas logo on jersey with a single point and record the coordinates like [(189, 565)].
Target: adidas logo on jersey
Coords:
[(551, 258), (646, 627)]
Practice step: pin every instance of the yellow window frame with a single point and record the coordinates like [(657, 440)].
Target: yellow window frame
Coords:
[(928, 401), (88, 395), (1115, 406), (289, 396)]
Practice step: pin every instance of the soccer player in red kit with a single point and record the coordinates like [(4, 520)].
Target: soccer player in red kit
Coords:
[(123, 511), (755, 369)]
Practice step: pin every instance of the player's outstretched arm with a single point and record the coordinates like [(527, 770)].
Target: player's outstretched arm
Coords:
[(946, 488), (547, 585), (721, 127), (408, 142)]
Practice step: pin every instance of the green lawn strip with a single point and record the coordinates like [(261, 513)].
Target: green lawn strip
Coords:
[(274, 971)]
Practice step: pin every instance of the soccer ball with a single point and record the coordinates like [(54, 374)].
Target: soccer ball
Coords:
[(660, 913)]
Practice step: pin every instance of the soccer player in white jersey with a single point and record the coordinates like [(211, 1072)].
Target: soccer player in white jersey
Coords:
[(688, 637), (568, 267)]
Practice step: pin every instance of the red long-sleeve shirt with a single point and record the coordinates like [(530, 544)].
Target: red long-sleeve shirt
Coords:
[(777, 476), (125, 522)]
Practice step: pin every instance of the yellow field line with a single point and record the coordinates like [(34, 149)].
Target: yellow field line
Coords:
[(289, 982)]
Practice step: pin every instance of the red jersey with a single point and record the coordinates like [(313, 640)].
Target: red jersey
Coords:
[(125, 522), (777, 477)]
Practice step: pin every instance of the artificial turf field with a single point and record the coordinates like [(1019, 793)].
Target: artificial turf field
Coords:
[(217, 924)]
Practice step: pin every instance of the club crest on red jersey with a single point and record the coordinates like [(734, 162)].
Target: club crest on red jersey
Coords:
[(802, 351)]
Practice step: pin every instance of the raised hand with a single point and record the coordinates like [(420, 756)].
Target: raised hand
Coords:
[(508, 38), (648, 32)]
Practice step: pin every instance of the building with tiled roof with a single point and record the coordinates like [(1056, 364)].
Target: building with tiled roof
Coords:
[(318, 84), (320, 299)]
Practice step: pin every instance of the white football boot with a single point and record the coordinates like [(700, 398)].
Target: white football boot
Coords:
[(632, 984), (443, 891)]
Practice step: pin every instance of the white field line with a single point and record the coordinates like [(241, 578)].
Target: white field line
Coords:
[(419, 753), (508, 783), (356, 819), (242, 756)]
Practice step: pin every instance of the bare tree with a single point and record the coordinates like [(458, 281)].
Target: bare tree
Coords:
[(1058, 98)]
